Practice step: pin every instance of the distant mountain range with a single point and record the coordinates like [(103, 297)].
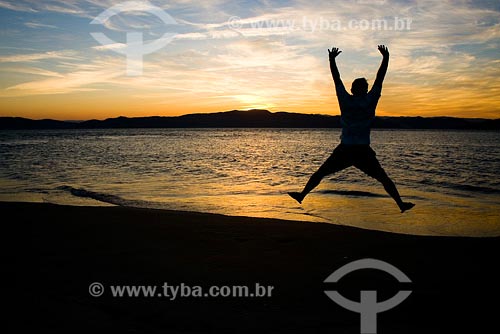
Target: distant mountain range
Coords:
[(251, 119)]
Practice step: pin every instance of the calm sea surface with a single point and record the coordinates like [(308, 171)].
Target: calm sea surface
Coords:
[(452, 176)]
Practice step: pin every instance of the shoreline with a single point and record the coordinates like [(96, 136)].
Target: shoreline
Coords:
[(63, 249), (487, 230)]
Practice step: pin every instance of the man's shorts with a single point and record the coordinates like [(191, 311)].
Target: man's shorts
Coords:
[(359, 156)]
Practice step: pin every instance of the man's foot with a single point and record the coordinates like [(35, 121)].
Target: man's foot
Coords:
[(406, 206), (296, 196)]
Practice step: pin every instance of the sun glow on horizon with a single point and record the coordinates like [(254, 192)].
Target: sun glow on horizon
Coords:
[(249, 102)]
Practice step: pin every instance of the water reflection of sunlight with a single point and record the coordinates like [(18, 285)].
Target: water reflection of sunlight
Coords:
[(434, 214), (247, 172)]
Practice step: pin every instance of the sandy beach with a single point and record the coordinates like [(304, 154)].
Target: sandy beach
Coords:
[(60, 250)]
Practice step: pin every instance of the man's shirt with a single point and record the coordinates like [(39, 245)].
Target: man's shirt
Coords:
[(357, 114)]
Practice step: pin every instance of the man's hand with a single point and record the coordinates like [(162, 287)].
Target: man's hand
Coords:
[(383, 67), (383, 50), (334, 53)]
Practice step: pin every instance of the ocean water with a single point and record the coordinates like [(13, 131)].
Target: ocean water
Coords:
[(451, 176)]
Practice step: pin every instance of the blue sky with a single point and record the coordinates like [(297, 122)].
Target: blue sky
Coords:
[(248, 54)]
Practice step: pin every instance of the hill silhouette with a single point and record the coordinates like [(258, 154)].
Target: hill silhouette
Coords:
[(256, 118)]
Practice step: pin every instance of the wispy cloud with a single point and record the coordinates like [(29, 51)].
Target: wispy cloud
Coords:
[(31, 57), (113, 46), (61, 7), (81, 78), (34, 71), (36, 25), (17, 6)]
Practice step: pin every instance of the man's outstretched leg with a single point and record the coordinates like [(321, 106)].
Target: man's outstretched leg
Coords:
[(336, 162), (391, 189), (313, 182), (371, 166)]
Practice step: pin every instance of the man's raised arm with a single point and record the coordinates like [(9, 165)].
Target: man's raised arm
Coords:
[(333, 66), (383, 67)]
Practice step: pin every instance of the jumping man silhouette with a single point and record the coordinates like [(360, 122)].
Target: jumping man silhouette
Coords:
[(357, 114)]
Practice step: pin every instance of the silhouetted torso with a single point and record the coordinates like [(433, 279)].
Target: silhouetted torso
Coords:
[(357, 114)]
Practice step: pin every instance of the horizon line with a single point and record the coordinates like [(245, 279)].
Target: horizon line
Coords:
[(233, 110)]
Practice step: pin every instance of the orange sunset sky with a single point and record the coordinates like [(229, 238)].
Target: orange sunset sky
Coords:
[(223, 55)]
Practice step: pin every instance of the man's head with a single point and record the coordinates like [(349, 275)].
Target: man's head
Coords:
[(359, 87)]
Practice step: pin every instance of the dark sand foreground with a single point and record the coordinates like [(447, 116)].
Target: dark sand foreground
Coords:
[(60, 250)]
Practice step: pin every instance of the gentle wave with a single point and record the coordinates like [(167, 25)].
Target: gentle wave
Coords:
[(353, 193), (105, 198), (466, 188)]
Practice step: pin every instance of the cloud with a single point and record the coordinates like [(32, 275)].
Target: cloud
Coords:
[(36, 25), (62, 7), (91, 8), (34, 71), (31, 57), (17, 6), (81, 78), (113, 46)]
